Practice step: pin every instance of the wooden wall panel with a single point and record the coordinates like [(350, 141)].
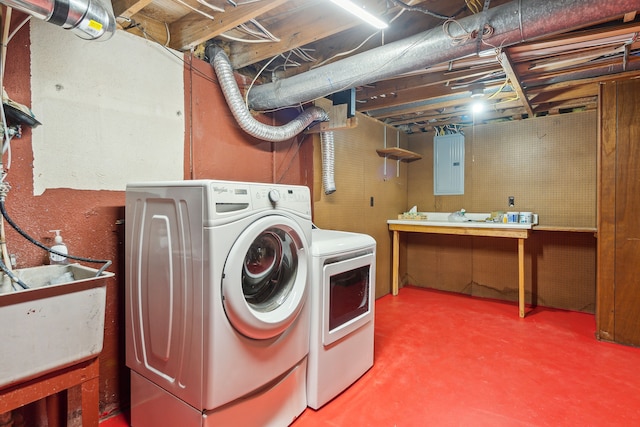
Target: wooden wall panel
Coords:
[(439, 262), (549, 165), (627, 206), (605, 325)]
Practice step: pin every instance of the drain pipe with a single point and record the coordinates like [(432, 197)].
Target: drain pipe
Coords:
[(222, 66), (504, 25)]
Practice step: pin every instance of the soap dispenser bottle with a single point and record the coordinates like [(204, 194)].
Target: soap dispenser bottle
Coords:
[(60, 247)]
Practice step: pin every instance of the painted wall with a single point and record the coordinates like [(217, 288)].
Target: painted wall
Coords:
[(91, 214)]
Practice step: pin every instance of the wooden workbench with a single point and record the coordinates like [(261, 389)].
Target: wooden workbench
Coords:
[(513, 231)]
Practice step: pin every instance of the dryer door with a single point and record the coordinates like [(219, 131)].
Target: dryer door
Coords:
[(265, 277)]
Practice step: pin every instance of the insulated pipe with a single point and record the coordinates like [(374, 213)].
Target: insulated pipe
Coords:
[(511, 23), (220, 62), (88, 19)]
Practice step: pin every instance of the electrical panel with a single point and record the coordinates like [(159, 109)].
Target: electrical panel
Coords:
[(448, 164)]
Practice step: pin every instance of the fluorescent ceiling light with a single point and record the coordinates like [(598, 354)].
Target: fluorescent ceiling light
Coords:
[(360, 13)]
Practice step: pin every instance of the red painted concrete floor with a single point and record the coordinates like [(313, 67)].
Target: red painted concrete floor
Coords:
[(450, 360)]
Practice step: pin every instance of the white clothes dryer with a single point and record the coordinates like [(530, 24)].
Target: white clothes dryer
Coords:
[(217, 318), (342, 301)]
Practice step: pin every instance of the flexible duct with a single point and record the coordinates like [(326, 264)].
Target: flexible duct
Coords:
[(88, 19), (220, 62), (511, 23), (328, 160)]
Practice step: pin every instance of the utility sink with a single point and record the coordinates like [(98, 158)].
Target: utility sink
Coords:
[(56, 323)]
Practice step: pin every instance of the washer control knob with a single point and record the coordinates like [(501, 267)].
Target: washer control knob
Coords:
[(274, 196)]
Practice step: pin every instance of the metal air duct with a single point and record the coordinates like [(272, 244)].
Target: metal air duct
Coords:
[(220, 62), (88, 19), (505, 25), (222, 67)]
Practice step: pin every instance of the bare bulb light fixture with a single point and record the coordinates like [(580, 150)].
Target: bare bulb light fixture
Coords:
[(361, 13), (477, 92)]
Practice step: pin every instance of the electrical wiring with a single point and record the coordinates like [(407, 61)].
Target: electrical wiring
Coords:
[(292, 156), (195, 9), (20, 25), (246, 95), (262, 35), (238, 39), (474, 6), (263, 31), (457, 40), (424, 10), (338, 55)]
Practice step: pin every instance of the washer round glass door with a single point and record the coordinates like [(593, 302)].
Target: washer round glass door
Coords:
[(265, 277)]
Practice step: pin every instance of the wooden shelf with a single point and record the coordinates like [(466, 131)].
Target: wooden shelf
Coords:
[(399, 154)]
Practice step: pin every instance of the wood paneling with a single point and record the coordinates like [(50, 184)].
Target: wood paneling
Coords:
[(549, 165), (619, 233), (606, 212)]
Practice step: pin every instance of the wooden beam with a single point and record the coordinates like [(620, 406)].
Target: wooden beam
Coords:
[(148, 28), (307, 25), (441, 105), (128, 8), (515, 82), (193, 29), (426, 78)]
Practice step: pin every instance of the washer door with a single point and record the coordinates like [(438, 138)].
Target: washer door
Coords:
[(265, 277)]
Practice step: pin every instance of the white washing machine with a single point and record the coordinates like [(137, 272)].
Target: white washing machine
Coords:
[(217, 317), (342, 301)]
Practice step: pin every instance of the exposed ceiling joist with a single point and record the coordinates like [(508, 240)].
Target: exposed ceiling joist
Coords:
[(549, 74), (515, 82)]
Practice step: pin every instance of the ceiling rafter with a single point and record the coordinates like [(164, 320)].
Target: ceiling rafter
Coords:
[(548, 75), (515, 82)]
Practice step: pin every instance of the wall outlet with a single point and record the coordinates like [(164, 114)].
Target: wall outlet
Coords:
[(512, 201)]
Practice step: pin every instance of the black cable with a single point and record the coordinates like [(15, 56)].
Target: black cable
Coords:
[(106, 262)]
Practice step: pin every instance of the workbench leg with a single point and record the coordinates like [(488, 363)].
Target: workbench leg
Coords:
[(395, 264), (521, 276), (57, 408)]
